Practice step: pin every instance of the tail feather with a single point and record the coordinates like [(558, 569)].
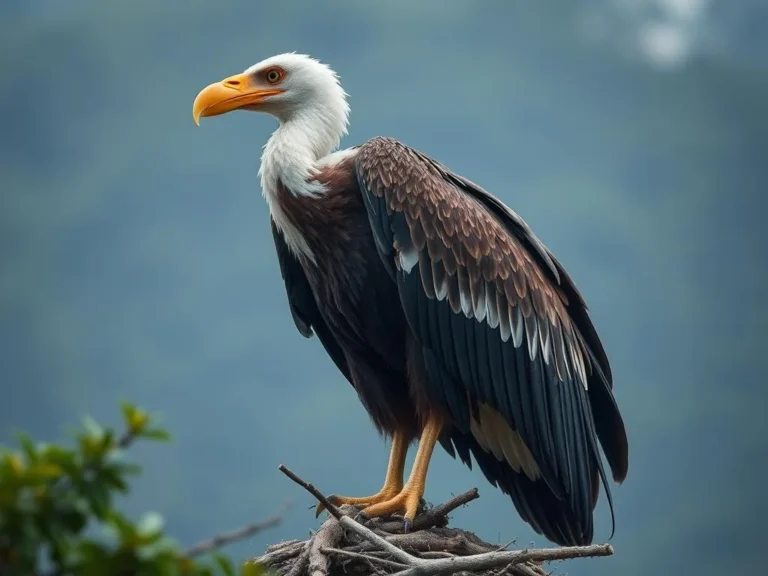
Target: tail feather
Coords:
[(537, 505)]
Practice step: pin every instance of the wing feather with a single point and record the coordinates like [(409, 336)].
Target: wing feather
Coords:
[(505, 337), (302, 305)]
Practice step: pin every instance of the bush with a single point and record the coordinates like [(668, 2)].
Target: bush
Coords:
[(57, 513)]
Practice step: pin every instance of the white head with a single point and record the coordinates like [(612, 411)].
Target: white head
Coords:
[(307, 99), (294, 88)]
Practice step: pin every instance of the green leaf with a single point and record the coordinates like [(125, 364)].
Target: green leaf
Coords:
[(99, 499), (112, 477), (224, 563), (62, 457), (13, 464), (27, 446), (92, 427), (108, 440), (136, 420), (251, 568), (124, 469), (73, 519), (127, 409), (155, 434), (125, 529), (43, 471)]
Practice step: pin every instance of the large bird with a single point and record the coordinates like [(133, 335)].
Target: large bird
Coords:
[(451, 320)]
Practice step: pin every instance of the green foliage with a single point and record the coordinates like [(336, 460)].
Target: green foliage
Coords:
[(57, 513)]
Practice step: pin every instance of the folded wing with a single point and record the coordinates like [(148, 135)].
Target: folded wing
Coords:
[(505, 338)]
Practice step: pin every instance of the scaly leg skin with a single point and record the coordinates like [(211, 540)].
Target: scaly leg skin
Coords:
[(393, 482), (408, 499)]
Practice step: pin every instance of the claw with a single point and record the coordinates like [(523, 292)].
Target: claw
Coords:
[(386, 494), (407, 525), (320, 508), (406, 502)]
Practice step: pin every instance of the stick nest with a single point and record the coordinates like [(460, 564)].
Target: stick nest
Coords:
[(345, 546)]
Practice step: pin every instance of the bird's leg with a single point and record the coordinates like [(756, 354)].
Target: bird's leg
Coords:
[(393, 482), (408, 499)]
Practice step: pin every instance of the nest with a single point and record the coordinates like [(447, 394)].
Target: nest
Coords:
[(344, 545)]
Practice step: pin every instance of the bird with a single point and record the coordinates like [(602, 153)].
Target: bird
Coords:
[(454, 324)]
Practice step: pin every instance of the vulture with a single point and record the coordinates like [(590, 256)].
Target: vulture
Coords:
[(451, 320)]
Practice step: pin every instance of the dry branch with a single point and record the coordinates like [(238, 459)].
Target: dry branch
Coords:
[(225, 538), (378, 547)]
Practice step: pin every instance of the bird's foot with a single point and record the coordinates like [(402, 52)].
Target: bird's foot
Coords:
[(384, 495), (405, 502)]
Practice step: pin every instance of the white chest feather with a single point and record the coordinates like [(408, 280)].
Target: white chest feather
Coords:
[(289, 170)]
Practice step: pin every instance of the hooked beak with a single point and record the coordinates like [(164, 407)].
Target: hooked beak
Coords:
[(230, 94)]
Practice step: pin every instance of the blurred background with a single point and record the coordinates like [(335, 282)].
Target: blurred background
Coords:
[(136, 261)]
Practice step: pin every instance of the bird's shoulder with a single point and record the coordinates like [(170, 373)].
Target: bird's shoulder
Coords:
[(441, 205), (461, 226)]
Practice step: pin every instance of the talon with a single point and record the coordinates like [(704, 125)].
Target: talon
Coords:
[(321, 507), (361, 517), (407, 525), (405, 503)]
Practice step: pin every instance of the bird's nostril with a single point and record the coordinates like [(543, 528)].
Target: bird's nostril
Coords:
[(232, 83)]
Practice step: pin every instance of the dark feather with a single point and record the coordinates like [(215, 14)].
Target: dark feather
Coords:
[(302, 305), (345, 300), (500, 325)]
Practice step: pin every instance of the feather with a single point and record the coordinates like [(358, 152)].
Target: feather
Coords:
[(500, 323)]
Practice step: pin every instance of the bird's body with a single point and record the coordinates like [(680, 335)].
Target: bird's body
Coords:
[(450, 319), (342, 291)]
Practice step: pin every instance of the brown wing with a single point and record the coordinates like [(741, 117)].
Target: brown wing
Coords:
[(504, 357)]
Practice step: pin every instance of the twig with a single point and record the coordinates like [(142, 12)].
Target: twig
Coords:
[(436, 516), (229, 537), (451, 505), (435, 554), (312, 490), (490, 560), (452, 540), (477, 562), (283, 552), (126, 439), (378, 541), (329, 536), (365, 557), (283, 544), (301, 563)]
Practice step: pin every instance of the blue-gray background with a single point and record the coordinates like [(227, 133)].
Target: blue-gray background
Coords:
[(136, 261)]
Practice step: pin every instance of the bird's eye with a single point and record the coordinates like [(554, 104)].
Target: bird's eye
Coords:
[(274, 75)]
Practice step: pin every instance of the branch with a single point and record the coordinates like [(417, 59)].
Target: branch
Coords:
[(126, 439), (329, 536), (225, 538), (437, 516), (397, 553), (365, 557), (312, 490), (379, 547)]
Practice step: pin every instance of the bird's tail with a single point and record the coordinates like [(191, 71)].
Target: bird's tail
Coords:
[(552, 517)]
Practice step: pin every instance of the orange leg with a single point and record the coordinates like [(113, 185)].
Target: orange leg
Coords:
[(393, 482), (408, 499)]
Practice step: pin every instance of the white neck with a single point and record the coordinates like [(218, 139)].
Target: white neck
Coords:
[(292, 157)]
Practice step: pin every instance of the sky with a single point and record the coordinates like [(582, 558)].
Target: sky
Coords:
[(136, 260)]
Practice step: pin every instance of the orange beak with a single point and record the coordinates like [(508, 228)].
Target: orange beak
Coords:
[(230, 94)]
